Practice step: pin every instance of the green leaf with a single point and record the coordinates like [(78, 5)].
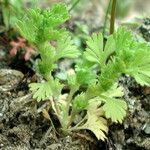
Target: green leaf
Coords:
[(139, 64), (142, 79), (40, 25), (58, 15), (84, 74), (93, 90), (95, 48), (42, 90), (114, 108), (46, 64), (96, 52), (56, 87), (109, 49), (123, 40), (27, 30), (114, 91), (66, 48), (134, 54), (80, 103), (111, 72), (72, 80), (11, 11)]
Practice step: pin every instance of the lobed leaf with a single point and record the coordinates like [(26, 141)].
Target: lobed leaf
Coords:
[(95, 47), (138, 63), (80, 103), (114, 108), (42, 90), (39, 25), (96, 52), (65, 48), (97, 124)]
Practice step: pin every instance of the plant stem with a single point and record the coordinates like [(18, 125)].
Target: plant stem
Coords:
[(72, 116), (106, 16), (72, 91), (113, 14), (74, 5), (69, 99)]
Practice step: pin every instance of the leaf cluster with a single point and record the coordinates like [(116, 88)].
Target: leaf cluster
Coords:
[(42, 29), (40, 25), (98, 71)]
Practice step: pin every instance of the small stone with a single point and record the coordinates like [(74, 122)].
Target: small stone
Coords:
[(9, 79)]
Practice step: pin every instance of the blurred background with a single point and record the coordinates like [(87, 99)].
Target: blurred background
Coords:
[(87, 15), (93, 12)]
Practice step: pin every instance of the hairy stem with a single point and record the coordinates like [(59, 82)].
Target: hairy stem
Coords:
[(113, 14)]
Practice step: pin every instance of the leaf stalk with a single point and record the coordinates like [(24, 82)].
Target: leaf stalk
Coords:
[(113, 15)]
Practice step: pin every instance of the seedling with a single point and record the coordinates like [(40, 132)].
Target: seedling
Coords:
[(98, 70)]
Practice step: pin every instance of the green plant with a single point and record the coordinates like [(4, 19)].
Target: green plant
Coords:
[(98, 70)]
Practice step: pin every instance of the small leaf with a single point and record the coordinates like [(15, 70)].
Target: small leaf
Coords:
[(95, 48), (142, 79), (80, 103), (46, 89), (56, 87), (72, 79), (84, 75), (111, 72), (114, 91), (42, 90), (96, 52), (123, 40), (139, 64), (109, 49), (95, 121), (96, 124), (115, 109), (58, 14), (66, 49)]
